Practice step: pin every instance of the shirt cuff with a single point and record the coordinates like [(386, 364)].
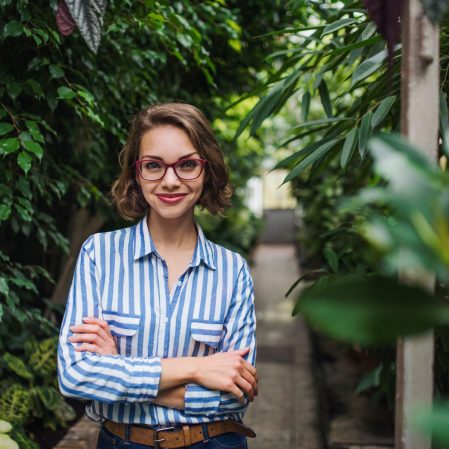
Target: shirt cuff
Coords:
[(200, 400)]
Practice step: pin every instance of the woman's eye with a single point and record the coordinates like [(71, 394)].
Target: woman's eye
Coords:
[(152, 165), (189, 163)]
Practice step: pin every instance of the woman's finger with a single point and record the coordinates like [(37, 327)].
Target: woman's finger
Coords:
[(87, 347), (250, 368), (86, 338), (102, 323), (252, 380), (90, 329), (246, 387)]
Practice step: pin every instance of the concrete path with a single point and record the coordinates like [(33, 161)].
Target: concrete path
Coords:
[(286, 412)]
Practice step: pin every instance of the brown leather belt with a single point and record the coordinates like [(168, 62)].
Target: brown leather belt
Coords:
[(168, 437)]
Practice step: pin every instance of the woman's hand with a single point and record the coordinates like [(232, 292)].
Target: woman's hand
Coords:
[(228, 371), (95, 336)]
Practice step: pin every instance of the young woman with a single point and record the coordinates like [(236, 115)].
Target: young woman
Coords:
[(159, 329)]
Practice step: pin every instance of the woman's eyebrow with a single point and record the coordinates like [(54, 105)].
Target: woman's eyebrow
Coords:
[(149, 156)]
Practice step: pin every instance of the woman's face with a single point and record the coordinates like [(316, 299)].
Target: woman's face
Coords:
[(170, 197)]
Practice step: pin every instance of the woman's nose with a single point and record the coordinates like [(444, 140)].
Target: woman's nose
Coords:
[(170, 178)]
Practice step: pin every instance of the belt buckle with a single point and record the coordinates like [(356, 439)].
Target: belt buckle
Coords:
[(158, 440)]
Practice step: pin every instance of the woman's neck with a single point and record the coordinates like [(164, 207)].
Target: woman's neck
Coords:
[(172, 234)]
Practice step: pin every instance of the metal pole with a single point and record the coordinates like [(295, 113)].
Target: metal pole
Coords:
[(419, 124)]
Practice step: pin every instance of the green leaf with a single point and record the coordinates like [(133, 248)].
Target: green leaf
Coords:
[(337, 25), (365, 130), (17, 366), (368, 67), (323, 121), (310, 159), (6, 442), (370, 310), (305, 106), (5, 211), (4, 289), (325, 98), (433, 421), (369, 380), (13, 29), (5, 128), (382, 110), (55, 71), (24, 161), (10, 145), (5, 426), (331, 258), (34, 148), (65, 93), (444, 123), (349, 147), (49, 397)]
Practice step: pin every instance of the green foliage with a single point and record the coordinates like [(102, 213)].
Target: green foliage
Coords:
[(15, 404)]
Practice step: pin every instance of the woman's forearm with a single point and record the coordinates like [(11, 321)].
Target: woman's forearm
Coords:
[(177, 371), (172, 398)]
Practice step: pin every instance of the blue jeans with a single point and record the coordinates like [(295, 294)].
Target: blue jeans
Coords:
[(107, 440)]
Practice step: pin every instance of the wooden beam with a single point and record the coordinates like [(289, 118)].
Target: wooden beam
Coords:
[(419, 124)]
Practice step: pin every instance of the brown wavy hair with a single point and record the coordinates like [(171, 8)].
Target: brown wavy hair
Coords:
[(126, 192)]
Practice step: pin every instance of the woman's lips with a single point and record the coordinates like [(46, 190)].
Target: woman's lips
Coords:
[(171, 198)]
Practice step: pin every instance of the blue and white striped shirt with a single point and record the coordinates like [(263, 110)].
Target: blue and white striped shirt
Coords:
[(121, 278)]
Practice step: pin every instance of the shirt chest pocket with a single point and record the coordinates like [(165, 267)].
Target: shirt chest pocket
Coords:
[(206, 335), (123, 327)]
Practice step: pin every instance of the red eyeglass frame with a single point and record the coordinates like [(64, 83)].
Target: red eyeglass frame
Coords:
[(139, 163)]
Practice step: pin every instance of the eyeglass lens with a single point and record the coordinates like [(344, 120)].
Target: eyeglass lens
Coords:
[(185, 169)]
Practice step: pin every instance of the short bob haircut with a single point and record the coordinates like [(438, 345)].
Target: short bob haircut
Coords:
[(126, 192)]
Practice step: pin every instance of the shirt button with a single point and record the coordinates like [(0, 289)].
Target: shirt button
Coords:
[(166, 319), (179, 283)]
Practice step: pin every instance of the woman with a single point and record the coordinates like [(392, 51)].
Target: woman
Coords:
[(159, 329)]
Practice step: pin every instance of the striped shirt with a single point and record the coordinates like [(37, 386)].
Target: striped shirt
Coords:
[(121, 278)]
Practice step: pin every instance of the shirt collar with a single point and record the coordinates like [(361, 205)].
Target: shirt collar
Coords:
[(143, 245)]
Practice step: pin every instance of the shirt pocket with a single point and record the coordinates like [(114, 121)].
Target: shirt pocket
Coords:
[(207, 332), (124, 327)]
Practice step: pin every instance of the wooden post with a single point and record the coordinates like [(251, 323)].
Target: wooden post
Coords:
[(419, 124)]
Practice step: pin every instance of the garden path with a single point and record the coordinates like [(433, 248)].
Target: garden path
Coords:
[(286, 412)]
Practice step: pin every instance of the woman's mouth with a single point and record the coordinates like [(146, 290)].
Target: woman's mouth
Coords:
[(171, 198)]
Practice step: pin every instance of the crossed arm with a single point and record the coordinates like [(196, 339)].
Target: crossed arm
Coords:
[(223, 371)]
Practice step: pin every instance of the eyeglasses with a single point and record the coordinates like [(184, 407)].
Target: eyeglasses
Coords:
[(155, 170)]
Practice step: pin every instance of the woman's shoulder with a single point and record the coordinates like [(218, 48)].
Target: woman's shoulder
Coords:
[(222, 253), (116, 236)]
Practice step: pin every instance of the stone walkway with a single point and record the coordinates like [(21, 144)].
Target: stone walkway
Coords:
[(286, 412)]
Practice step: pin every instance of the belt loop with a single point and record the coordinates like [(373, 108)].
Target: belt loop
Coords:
[(205, 432), (127, 433)]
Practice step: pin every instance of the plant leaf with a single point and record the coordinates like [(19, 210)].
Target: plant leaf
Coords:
[(305, 106), (349, 147), (365, 130), (34, 148), (337, 25), (5, 128), (325, 98), (88, 16), (368, 67), (382, 110), (310, 159), (24, 161), (9, 145), (17, 366), (370, 310)]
